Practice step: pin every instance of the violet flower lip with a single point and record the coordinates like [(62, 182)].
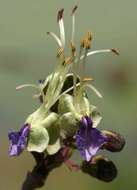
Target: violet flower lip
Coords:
[(18, 140), (88, 139)]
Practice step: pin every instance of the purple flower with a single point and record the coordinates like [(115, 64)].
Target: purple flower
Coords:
[(89, 140), (18, 140)]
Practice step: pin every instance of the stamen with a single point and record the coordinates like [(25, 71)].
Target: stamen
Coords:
[(61, 26), (73, 49), (74, 9), (68, 61), (27, 85), (52, 34), (68, 90), (85, 79), (60, 52), (100, 51), (82, 43), (60, 14), (94, 89), (89, 36), (115, 51), (73, 23), (87, 43)]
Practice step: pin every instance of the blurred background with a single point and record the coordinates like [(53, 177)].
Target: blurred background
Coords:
[(28, 54)]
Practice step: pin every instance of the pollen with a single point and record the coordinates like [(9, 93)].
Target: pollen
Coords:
[(74, 10), (115, 51), (90, 36), (68, 61), (85, 79), (73, 49)]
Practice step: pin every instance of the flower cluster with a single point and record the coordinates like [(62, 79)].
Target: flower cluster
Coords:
[(66, 120)]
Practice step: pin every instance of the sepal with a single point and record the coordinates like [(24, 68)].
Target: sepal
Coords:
[(38, 139)]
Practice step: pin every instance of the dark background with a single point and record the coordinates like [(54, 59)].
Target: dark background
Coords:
[(28, 54)]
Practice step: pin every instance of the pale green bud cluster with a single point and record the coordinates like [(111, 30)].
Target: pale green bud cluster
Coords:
[(51, 125)]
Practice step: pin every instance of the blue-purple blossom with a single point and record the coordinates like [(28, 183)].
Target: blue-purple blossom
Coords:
[(18, 140), (89, 140)]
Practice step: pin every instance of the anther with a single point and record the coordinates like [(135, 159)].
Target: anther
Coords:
[(74, 10), (115, 51), (89, 36), (68, 61), (60, 14), (85, 79), (73, 49), (87, 44)]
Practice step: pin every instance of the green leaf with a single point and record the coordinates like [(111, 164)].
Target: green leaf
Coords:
[(38, 139)]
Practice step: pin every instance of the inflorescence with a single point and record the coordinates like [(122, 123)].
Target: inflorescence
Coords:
[(66, 120)]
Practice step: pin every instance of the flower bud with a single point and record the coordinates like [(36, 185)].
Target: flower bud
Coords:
[(115, 141), (101, 168)]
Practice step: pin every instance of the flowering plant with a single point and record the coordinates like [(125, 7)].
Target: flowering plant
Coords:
[(66, 120)]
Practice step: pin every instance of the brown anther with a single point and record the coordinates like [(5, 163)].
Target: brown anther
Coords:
[(74, 9), (60, 14), (85, 79), (87, 43), (89, 36), (82, 43), (115, 51), (68, 61), (73, 48), (60, 52)]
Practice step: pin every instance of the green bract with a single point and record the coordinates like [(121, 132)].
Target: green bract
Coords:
[(96, 117), (53, 148), (44, 131), (38, 139)]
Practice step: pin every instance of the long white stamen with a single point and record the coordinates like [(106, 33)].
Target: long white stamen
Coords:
[(27, 85), (73, 23), (100, 51), (52, 34), (73, 28), (61, 27), (68, 90), (95, 90), (62, 32)]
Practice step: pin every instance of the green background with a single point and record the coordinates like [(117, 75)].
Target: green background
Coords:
[(28, 54)]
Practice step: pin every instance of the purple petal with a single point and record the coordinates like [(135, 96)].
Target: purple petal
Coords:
[(86, 121), (88, 139), (18, 140)]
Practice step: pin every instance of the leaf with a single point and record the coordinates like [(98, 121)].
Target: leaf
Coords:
[(38, 139)]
